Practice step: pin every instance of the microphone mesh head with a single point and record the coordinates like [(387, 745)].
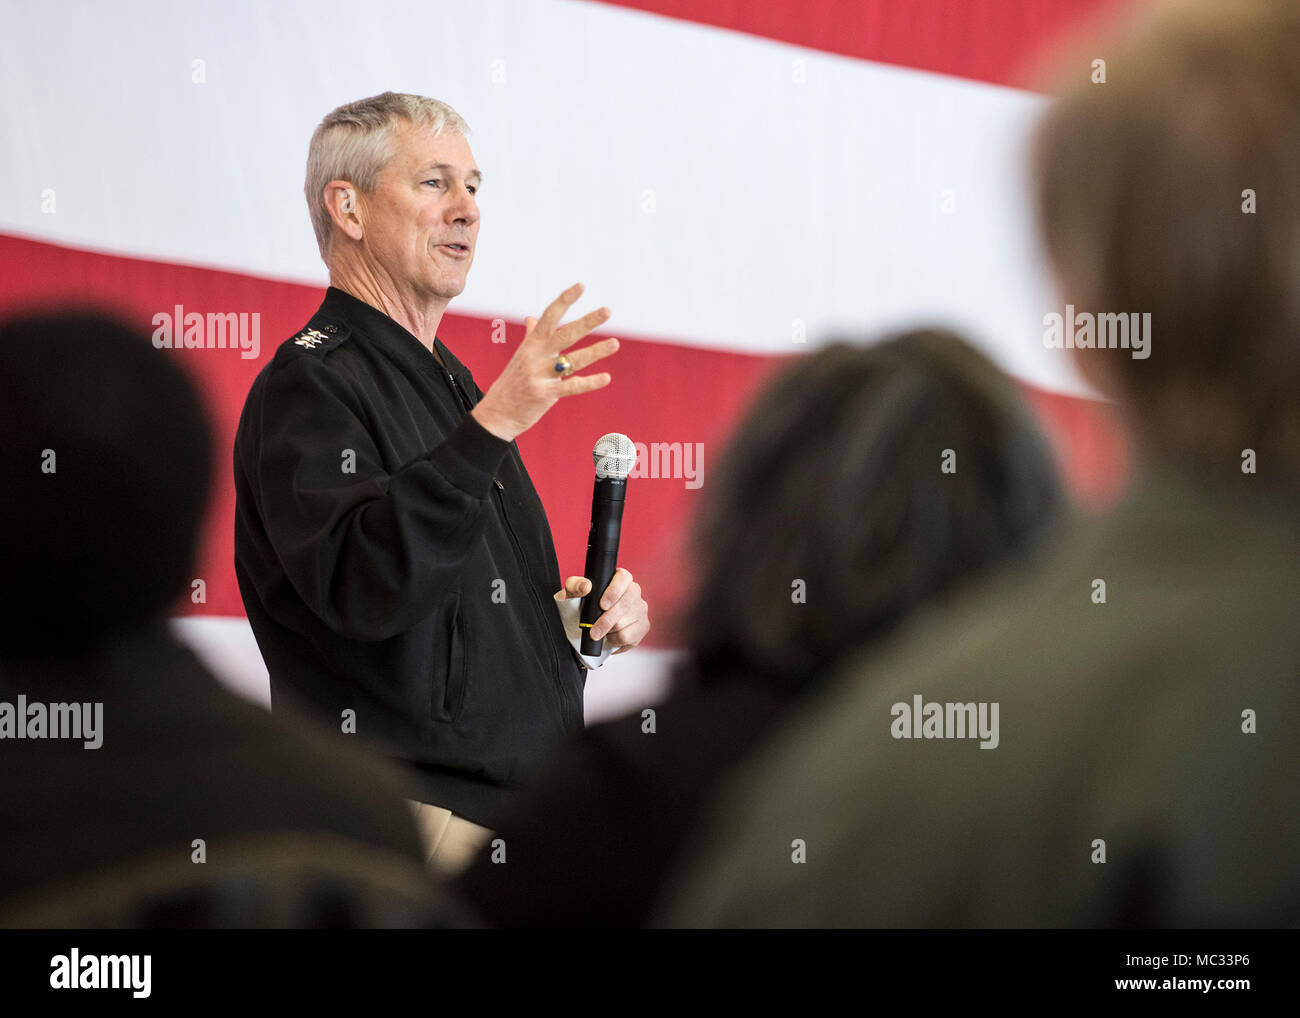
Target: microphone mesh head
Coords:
[(614, 456)]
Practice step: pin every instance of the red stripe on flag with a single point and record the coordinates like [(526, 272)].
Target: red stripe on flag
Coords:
[(661, 393), (987, 40)]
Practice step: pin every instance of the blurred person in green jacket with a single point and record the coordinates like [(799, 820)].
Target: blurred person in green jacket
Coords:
[(1110, 737)]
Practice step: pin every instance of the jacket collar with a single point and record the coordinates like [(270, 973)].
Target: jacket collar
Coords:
[(378, 327)]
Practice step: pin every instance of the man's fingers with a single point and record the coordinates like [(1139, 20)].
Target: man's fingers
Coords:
[(576, 384), (574, 586), (618, 585), (628, 625), (589, 355), (568, 334), (579, 384), (552, 315), (626, 622)]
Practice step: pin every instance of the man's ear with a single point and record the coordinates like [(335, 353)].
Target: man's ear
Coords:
[(342, 198)]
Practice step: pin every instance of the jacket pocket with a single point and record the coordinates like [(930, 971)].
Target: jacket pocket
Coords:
[(453, 656)]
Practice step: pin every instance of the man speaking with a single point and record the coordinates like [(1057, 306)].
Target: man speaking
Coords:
[(393, 556)]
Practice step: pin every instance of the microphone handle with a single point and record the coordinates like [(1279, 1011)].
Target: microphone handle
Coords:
[(607, 502)]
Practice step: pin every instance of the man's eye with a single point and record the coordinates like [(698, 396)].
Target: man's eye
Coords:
[(439, 182), (472, 190)]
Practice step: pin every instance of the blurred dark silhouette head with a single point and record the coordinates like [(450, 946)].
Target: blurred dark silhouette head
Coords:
[(107, 462), (1144, 186), (834, 479)]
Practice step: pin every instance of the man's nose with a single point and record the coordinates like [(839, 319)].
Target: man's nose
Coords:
[(462, 207)]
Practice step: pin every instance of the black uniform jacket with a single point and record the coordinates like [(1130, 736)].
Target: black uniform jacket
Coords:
[(395, 560)]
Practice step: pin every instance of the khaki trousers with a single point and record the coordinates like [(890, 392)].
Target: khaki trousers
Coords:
[(450, 841)]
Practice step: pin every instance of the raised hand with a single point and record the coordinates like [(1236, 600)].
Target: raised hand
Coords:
[(529, 385)]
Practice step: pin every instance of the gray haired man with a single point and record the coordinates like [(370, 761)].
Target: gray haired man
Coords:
[(393, 556)]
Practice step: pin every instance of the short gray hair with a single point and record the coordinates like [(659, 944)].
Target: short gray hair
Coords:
[(356, 141)]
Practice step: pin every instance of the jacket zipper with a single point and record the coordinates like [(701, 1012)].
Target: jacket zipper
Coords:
[(523, 562)]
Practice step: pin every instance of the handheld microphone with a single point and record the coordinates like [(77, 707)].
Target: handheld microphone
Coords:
[(613, 456)]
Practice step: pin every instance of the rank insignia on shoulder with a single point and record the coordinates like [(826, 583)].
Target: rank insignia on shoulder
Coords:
[(320, 339)]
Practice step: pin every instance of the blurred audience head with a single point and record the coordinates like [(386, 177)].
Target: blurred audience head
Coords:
[(106, 460), (1172, 189), (864, 482)]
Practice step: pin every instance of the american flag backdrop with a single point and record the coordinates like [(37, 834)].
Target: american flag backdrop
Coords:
[(737, 181)]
